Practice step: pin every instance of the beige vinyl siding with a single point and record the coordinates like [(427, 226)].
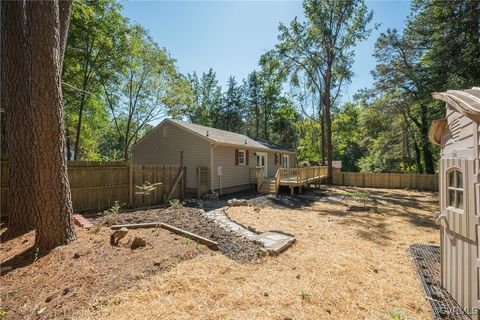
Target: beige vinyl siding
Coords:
[(232, 175), (272, 168), (157, 149)]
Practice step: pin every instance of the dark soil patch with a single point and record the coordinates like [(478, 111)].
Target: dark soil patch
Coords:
[(191, 219), (361, 208), (85, 273), (282, 200)]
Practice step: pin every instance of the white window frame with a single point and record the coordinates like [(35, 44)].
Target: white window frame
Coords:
[(285, 160), (244, 163), (457, 189)]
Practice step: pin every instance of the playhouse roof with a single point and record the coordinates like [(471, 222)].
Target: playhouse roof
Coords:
[(467, 102)]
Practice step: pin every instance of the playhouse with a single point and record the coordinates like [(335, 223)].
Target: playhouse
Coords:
[(458, 135)]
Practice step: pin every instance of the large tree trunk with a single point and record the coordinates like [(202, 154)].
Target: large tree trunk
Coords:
[(53, 204), (15, 101), (328, 121)]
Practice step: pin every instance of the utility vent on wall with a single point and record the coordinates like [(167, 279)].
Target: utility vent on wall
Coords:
[(455, 129)]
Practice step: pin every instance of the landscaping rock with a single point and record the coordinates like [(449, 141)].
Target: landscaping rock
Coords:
[(138, 243), (237, 203), (50, 297), (275, 242), (117, 235)]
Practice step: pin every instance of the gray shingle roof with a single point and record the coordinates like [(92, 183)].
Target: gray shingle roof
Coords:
[(227, 137)]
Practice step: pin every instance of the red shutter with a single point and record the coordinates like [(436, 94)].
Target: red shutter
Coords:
[(280, 158), (236, 157), (276, 158), (246, 155)]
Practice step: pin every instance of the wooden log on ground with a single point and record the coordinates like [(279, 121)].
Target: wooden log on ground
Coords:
[(209, 243)]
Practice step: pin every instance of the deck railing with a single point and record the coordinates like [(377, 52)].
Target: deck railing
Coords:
[(257, 176), (300, 175)]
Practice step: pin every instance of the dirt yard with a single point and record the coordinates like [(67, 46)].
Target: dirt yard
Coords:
[(344, 265), (84, 274)]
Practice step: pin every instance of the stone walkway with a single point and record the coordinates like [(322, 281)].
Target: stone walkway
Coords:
[(219, 217), (273, 242)]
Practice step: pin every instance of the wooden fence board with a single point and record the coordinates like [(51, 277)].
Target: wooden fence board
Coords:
[(96, 185), (387, 180)]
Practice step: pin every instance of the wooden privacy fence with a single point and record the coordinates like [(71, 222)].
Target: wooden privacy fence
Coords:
[(97, 185), (170, 177), (387, 180)]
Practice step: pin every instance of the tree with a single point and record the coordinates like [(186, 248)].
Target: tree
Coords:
[(322, 48), (272, 77), (252, 100), (347, 140), (15, 100), (206, 101), (45, 26), (96, 48), (231, 115), (143, 89)]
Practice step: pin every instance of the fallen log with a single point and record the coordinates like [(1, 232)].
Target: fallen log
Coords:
[(209, 243)]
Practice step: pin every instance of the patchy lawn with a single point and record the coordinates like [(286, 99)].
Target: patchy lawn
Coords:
[(344, 265)]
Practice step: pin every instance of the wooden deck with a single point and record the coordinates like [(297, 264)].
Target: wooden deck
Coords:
[(291, 177)]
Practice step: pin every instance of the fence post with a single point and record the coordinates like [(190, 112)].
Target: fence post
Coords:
[(130, 182)]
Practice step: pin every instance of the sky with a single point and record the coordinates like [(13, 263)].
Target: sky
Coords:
[(230, 36)]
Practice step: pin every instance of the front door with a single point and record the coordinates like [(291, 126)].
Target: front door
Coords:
[(262, 162), (285, 161)]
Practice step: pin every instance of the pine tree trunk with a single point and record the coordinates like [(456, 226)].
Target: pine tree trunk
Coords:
[(322, 131), (53, 204), (15, 100), (328, 121)]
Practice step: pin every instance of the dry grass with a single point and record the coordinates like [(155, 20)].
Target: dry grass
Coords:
[(345, 265)]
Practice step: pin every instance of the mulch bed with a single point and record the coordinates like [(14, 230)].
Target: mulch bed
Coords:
[(427, 261), (190, 219)]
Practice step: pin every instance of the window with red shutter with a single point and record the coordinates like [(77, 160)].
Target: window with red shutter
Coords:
[(236, 157), (247, 156)]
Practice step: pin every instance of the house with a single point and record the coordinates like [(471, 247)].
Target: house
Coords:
[(231, 159), (458, 135)]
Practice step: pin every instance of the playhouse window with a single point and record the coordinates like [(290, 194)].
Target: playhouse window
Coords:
[(455, 189)]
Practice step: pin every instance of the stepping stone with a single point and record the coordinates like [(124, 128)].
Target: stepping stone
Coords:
[(331, 199), (275, 242)]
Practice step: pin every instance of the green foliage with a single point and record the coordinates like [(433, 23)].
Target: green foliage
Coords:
[(115, 208), (398, 314), (95, 49), (176, 204), (147, 188), (318, 55), (117, 81), (305, 295)]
